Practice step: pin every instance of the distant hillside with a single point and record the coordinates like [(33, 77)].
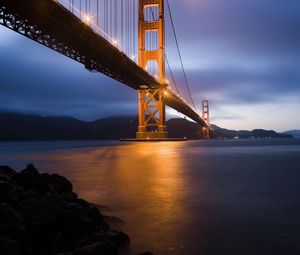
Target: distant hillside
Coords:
[(294, 133), (15, 126), (219, 132)]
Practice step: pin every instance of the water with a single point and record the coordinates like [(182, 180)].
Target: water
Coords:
[(184, 198)]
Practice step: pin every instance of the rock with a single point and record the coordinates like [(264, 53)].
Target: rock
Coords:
[(9, 246), (120, 238), (60, 183), (146, 253), (29, 178), (30, 169), (103, 248), (95, 215), (40, 214), (12, 224), (7, 172)]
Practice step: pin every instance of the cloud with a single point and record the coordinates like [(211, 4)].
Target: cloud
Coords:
[(241, 55)]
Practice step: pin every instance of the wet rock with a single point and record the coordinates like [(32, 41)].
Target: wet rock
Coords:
[(9, 246), (29, 178), (119, 238), (60, 183), (12, 225), (30, 169), (40, 214), (103, 248), (7, 172)]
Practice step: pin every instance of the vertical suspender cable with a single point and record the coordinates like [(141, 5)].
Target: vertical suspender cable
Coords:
[(80, 9), (97, 13), (134, 27), (122, 22)]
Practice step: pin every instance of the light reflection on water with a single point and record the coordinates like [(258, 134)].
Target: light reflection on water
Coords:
[(185, 197)]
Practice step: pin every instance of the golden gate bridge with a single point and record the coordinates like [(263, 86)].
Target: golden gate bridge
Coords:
[(123, 39)]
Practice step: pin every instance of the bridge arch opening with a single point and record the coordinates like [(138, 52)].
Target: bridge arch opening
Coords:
[(151, 13)]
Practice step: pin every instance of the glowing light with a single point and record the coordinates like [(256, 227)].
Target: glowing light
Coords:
[(166, 93), (133, 57), (87, 19), (115, 42)]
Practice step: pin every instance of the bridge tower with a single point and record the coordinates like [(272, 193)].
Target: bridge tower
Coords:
[(152, 120), (205, 116)]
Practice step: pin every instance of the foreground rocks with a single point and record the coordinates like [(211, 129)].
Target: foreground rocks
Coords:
[(40, 214)]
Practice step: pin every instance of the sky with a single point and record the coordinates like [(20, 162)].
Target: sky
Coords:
[(243, 56)]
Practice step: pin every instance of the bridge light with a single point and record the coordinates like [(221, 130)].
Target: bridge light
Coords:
[(87, 19), (115, 42), (132, 57)]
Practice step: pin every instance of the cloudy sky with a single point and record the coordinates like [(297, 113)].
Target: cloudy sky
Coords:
[(244, 56)]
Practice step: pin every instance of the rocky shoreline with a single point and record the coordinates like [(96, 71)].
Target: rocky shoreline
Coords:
[(40, 214)]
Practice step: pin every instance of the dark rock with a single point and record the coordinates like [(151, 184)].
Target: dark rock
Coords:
[(9, 247), (12, 224), (60, 183), (7, 172), (146, 253), (103, 248), (120, 238), (30, 169), (95, 215), (29, 178), (40, 214), (90, 239)]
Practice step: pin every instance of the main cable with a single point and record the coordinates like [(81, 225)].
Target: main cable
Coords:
[(172, 75)]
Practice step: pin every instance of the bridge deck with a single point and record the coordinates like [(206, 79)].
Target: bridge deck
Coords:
[(49, 23)]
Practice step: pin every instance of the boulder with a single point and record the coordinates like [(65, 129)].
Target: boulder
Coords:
[(60, 183), (29, 178), (9, 246), (12, 224), (40, 214), (7, 172), (103, 248)]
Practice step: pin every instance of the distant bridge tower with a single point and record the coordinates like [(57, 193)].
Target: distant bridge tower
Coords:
[(205, 116), (152, 120)]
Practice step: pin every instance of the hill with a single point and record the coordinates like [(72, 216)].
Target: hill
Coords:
[(16, 126), (294, 133), (219, 132)]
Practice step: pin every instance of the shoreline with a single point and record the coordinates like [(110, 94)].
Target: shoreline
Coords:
[(40, 214)]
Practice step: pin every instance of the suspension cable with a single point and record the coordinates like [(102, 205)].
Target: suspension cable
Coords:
[(179, 54), (166, 58), (172, 75)]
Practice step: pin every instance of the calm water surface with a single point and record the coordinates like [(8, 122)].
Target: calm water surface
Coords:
[(187, 198)]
